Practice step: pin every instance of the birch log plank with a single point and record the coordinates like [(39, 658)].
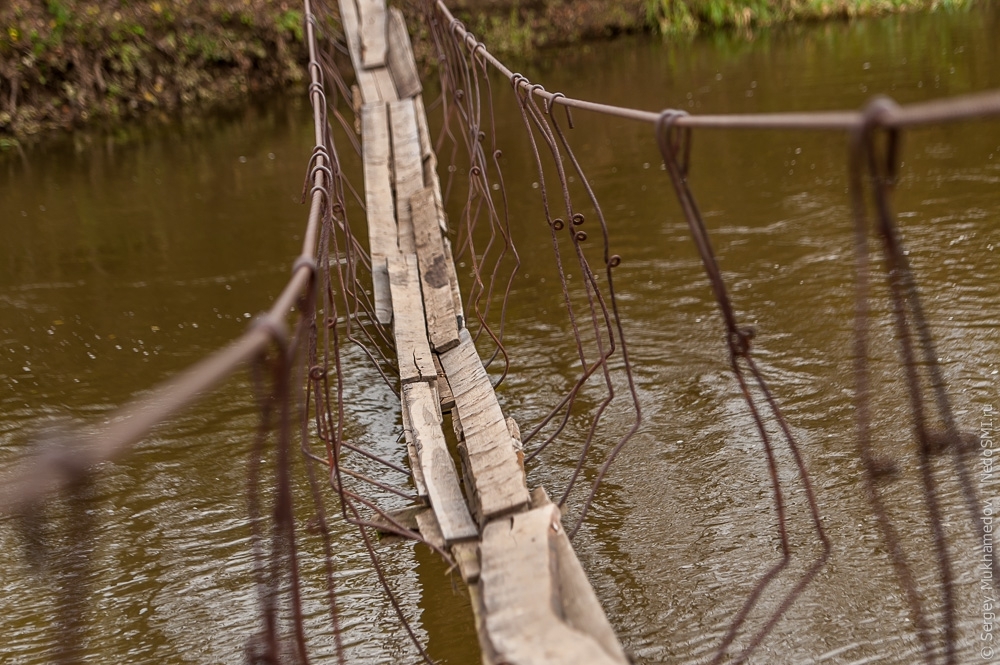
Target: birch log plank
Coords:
[(499, 485), (442, 326), (519, 578), (372, 21), (440, 476), (399, 60), (407, 168), (378, 201), (408, 327)]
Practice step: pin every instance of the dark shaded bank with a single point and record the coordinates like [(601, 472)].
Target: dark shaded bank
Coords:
[(65, 63)]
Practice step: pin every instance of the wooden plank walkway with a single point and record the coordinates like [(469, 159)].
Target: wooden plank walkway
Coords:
[(532, 601)]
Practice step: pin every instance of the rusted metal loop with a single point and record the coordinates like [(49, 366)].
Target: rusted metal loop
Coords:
[(669, 147), (614, 261), (276, 330), (317, 87), (580, 236), (536, 87), (558, 224), (470, 41), (319, 69), (317, 168), (578, 219), (476, 51), (878, 113), (740, 339), (305, 261), (316, 373), (516, 79), (319, 188), (455, 26)]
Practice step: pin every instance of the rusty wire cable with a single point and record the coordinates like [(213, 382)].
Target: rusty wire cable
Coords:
[(327, 288)]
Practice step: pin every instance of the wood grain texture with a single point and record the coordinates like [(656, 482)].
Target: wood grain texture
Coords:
[(581, 609), (519, 580), (373, 86), (379, 202), (427, 525), (442, 326), (416, 471), (467, 557), (408, 173), (440, 476), (431, 178), (499, 485), (444, 390), (412, 350), (456, 293), (372, 22), (400, 61)]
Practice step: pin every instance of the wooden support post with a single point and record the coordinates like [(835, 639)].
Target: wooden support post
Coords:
[(522, 595), (442, 326), (379, 203), (372, 22), (407, 170), (402, 66), (435, 461), (412, 350), (499, 485)]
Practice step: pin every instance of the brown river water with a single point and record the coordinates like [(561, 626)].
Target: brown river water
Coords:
[(122, 263)]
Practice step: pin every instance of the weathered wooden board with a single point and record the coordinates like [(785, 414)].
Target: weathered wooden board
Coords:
[(408, 327), (379, 202), (380, 289), (400, 60), (444, 390), (383, 85), (582, 610), (515, 435), (466, 555), (439, 471), (431, 178), (411, 452), (499, 483), (376, 84), (427, 525), (408, 174), (519, 580), (372, 21), (456, 293), (442, 325)]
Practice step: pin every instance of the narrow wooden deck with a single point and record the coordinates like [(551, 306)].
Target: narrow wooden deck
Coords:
[(531, 597)]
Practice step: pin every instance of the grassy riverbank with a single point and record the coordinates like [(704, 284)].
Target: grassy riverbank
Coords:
[(65, 63)]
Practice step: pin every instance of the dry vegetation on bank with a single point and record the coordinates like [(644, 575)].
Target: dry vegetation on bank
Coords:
[(64, 63)]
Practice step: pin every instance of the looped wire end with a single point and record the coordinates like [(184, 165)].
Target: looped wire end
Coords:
[(276, 330), (307, 262), (878, 114), (740, 340), (549, 103), (670, 145)]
